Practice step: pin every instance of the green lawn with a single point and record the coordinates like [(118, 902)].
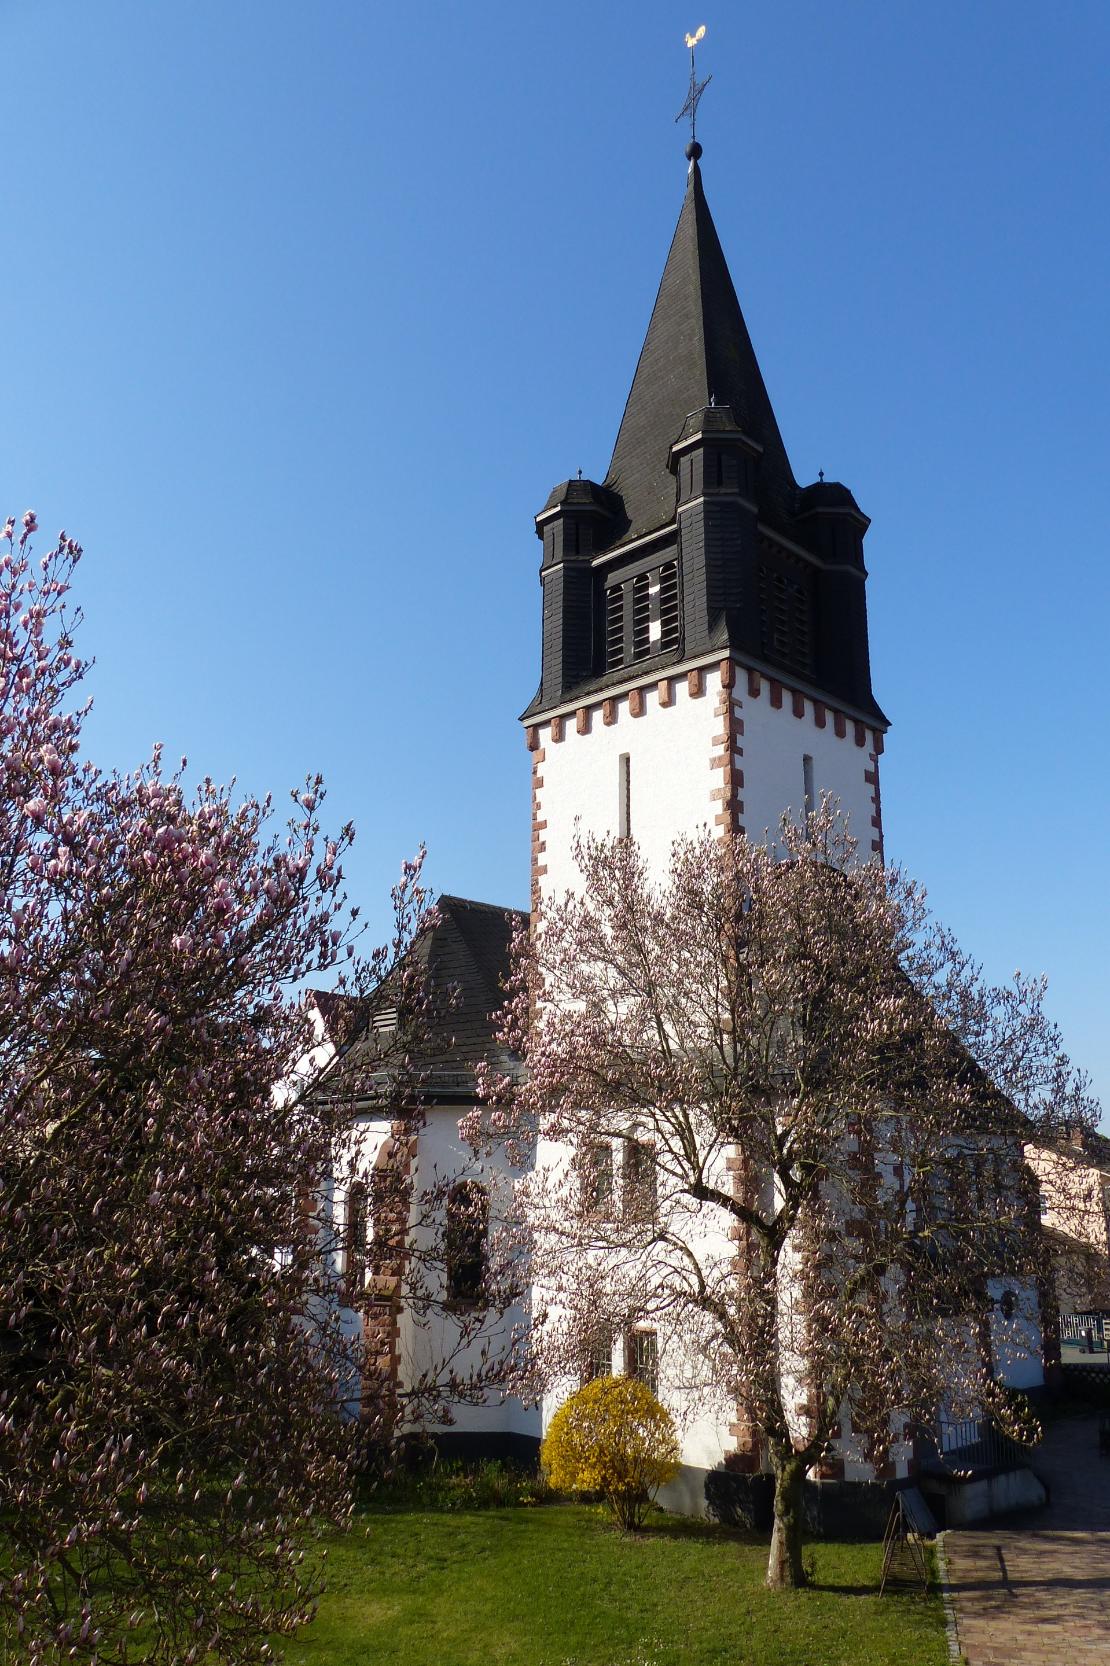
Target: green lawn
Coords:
[(555, 1585)]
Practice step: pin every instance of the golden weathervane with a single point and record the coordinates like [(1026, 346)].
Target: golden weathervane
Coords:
[(693, 97)]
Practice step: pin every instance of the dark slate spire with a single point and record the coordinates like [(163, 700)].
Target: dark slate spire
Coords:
[(697, 351), (742, 560)]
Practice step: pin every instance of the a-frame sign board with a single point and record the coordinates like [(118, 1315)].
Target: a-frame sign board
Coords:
[(911, 1523)]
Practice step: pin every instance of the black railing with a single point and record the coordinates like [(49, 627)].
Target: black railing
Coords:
[(970, 1446)]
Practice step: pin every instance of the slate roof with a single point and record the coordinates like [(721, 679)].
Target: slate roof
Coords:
[(697, 351), (469, 950), (467, 956)]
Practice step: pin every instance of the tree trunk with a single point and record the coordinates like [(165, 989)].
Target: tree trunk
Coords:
[(784, 1565)]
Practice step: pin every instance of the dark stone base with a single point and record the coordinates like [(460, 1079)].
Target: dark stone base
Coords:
[(833, 1509), (468, 1446)]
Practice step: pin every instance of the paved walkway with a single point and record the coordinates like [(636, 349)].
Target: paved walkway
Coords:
[(1034, 1590)]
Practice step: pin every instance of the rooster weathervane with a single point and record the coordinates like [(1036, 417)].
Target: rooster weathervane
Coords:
[(693, 97)]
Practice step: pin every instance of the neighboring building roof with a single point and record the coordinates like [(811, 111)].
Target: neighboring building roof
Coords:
[(343, 1015), (697, 351), (1087, 1147)]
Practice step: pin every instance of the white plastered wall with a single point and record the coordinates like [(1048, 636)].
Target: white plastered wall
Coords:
[(442, 1155), (671, 782), (775, 743), (675, 780), (426, 1342), (672, 751), (701, 1412)]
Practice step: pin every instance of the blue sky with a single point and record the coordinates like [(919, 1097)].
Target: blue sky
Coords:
[(308, 306)]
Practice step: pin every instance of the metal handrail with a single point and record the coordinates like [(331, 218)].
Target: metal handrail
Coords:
[(971, 1446)]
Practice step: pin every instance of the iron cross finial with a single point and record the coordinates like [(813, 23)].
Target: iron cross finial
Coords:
[(693, 97)]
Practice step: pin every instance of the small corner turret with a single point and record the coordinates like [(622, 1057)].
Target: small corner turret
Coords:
[(573, 525)]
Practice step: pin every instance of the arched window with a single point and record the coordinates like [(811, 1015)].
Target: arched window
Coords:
[(354, 1239), (467, 1225), (640, 1182), (597, 1179)]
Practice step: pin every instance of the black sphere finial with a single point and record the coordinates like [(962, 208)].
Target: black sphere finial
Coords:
[(693, 151)]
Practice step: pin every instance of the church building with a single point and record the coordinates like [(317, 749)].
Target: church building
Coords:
[(704, 663)]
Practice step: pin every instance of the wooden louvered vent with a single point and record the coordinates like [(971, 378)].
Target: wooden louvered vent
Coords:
[(641, 616), (614, 625), (668, 606), (785, 616)]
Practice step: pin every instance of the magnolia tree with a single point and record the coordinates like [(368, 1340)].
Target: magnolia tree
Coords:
[(172, 1348), (779, 1117)]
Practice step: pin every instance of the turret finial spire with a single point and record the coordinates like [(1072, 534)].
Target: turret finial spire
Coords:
[(693, 97)]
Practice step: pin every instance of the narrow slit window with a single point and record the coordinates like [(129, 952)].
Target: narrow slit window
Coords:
[(624, 796), (809, 796)]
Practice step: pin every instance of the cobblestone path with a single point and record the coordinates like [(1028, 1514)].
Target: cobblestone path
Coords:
[(1034, 1590)]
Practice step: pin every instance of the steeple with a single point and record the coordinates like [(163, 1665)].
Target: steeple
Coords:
[(697, 353), (700, 542)]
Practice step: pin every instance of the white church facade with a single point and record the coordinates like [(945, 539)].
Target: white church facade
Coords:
[(704, 664)]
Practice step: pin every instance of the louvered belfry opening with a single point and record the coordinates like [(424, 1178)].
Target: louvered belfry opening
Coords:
[(668, 607), (614, 626), (642, 615), (786, 612)]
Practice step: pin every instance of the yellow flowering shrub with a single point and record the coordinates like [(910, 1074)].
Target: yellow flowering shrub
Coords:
[(614, 1438)]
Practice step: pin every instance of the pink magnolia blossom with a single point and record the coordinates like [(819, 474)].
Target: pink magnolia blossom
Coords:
[(169, 1312)]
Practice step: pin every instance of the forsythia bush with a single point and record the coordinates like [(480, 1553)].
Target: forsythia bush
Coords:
[(612, 1437)]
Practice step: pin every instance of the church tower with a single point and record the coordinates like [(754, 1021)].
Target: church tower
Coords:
[(705, 658)]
